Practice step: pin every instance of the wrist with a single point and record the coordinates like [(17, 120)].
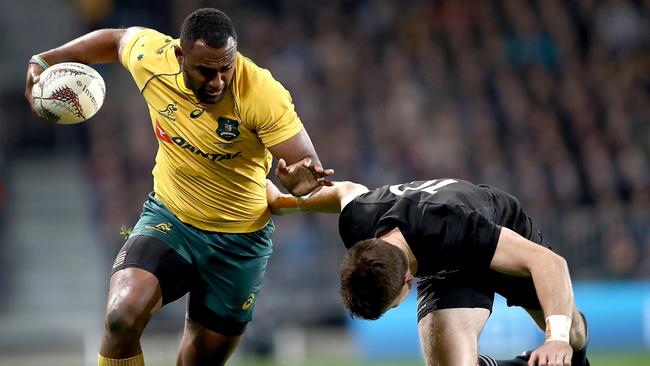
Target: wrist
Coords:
[(300, 201), (284, 204), (38, 60), (557, 328)]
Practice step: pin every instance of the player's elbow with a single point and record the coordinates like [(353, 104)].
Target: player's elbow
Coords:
[(558, 261), (550, 262)]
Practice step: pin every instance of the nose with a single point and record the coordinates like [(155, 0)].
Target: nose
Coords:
[(217, 82)]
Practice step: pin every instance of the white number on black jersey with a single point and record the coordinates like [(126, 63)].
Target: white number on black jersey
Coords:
[(430, 186)]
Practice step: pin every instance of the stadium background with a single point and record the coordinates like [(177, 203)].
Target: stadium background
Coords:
[(547, 99)]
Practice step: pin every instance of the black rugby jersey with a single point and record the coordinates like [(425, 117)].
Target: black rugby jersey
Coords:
[(449, 224)]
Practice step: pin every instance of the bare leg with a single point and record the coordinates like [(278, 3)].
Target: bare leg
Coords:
[(449, 337), (201, 346), (133, 297)]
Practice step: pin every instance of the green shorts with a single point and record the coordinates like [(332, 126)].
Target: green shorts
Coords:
[(229, 268)]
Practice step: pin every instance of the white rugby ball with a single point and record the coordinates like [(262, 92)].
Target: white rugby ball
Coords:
[(68, 93)]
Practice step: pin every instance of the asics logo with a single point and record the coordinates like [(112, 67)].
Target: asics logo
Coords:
[(197, 113), (163, 228), (249, 301)]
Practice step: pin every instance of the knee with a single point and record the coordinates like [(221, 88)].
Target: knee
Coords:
[(124, 321), (578, 332)]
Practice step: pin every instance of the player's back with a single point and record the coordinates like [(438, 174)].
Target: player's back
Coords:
[(443, 191), (417, 197), (496, 205)]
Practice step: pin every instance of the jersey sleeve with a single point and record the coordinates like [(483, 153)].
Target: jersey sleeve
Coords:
[(146, 54), (270, 110), (350, 229), (358, 221)]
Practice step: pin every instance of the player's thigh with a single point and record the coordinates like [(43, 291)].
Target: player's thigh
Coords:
[(232, 267), (457, 291), (451, 314), (146, 275), (220, 306), (450, 336), (224, 301)]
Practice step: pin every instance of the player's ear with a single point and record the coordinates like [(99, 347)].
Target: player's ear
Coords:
[(178, 52), (408, 278)]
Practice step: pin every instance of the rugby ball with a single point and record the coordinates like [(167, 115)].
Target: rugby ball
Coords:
[(68, 93)]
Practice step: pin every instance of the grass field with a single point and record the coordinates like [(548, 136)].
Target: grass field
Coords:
[(642, 359), (597, 359)]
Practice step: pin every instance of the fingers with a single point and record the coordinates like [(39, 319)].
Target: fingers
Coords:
[(562, 359), (36, 74), (318, 171), (325, 182), (316, 168), (559, 359), (543, 360), (282, 167), (322, 172), (33, 76)]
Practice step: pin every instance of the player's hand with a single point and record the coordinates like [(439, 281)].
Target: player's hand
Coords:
[(552, 353), (302, 177), (272, 194), (33, 74)]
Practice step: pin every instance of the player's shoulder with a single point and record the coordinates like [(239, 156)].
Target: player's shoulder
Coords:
[(376, 195), (149, 38), (252, 80), (150, 50)]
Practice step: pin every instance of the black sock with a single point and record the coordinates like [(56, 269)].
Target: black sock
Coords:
[(580, 357), (484, 360)]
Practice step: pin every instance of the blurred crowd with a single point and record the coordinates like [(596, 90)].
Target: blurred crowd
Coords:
[(546, 99)]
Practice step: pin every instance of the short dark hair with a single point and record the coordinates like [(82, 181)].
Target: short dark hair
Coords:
[(372, 276), (209, 24)]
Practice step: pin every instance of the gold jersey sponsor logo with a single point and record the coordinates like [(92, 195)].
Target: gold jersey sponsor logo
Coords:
[(249, 301), (163, 228)]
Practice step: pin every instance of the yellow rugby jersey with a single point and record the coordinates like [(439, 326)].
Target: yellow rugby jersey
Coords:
[(212, 160)]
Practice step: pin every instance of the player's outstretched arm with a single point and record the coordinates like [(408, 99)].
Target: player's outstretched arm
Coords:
[(100, 46), (299, 168), (517, 256), (329, 199)]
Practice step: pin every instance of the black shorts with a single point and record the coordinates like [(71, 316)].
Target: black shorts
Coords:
[(471, 289), (177, 277)]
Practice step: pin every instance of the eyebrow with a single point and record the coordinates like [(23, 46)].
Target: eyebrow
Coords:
[(208, 68), (229, 61)]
